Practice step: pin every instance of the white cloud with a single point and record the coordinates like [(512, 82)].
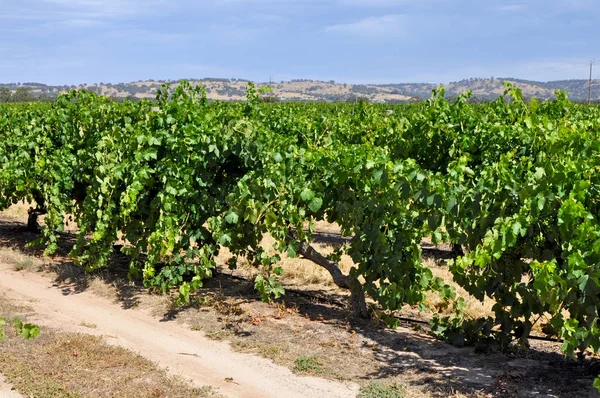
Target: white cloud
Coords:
[(512, 8), (387, 25), (82, 12), (74, 23), (108, 8)]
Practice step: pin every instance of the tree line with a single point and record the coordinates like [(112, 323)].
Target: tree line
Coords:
[(21, 94)]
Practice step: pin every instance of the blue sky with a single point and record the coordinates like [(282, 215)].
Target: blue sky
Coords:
[(353, 41)]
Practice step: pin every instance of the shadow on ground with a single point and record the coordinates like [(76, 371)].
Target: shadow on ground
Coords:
[(408, 354), (72, 279)]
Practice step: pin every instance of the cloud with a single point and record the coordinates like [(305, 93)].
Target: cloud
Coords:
[(74, 23), (381, 3), (77, 11), (387, 25), (107, 8), (512, 8)]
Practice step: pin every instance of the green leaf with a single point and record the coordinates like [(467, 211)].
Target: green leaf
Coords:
[(582, 283), (291, 252), (225, 239), (315, 204), (307, 195), (516, 229), (436, 237), (278, 291), (184, 292), (539, 173), (232, 218), (30, 331), (541, 203), (270, 218), (451, 203)]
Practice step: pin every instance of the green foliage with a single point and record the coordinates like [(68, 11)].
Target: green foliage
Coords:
[(376, 389), (5, 94), (268, 287), (27, 330), (307, 364), (22, 94), (515, 184)]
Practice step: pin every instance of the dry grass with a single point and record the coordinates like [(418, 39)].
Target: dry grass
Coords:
[(302, 274), (299, 273), (275, 332), (103, 288), (20, 212), (21, 261), (17, 212), (473, 308), (78, 365), (9, 307), (316, 339), (88, 325), (289, 333)]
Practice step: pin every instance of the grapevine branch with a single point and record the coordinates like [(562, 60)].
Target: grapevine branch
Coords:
[(357, 299)]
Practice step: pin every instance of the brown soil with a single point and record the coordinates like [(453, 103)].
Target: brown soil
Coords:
[(195, 340)]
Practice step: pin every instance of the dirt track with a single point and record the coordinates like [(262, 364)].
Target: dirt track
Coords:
[(183, 352), (6, 390)]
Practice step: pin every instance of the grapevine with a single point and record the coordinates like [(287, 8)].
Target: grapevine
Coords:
[(513, 186)]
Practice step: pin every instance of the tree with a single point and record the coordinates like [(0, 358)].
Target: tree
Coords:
[(45, 98), (270, 99), (23, 94), (5, 94)]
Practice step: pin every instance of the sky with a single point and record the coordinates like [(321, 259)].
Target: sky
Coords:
[(350, 41)]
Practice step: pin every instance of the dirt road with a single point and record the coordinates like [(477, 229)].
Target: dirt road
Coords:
[(171, 345), (6, 390)]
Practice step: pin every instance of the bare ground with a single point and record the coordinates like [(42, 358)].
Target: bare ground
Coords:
[(307, 335), (7, 390), (183, 352)]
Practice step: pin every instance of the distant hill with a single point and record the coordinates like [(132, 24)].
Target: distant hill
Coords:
[(311, 90)]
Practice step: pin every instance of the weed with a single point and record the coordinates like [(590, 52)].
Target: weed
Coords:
[(23, 264), (308, 364), (88, 325), (270, 352), (376, 389)]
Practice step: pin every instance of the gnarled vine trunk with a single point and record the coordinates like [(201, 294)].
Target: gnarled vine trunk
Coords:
[(34, 213), (358, 302)]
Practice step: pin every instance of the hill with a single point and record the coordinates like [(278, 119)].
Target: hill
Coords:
[(312, 90)]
